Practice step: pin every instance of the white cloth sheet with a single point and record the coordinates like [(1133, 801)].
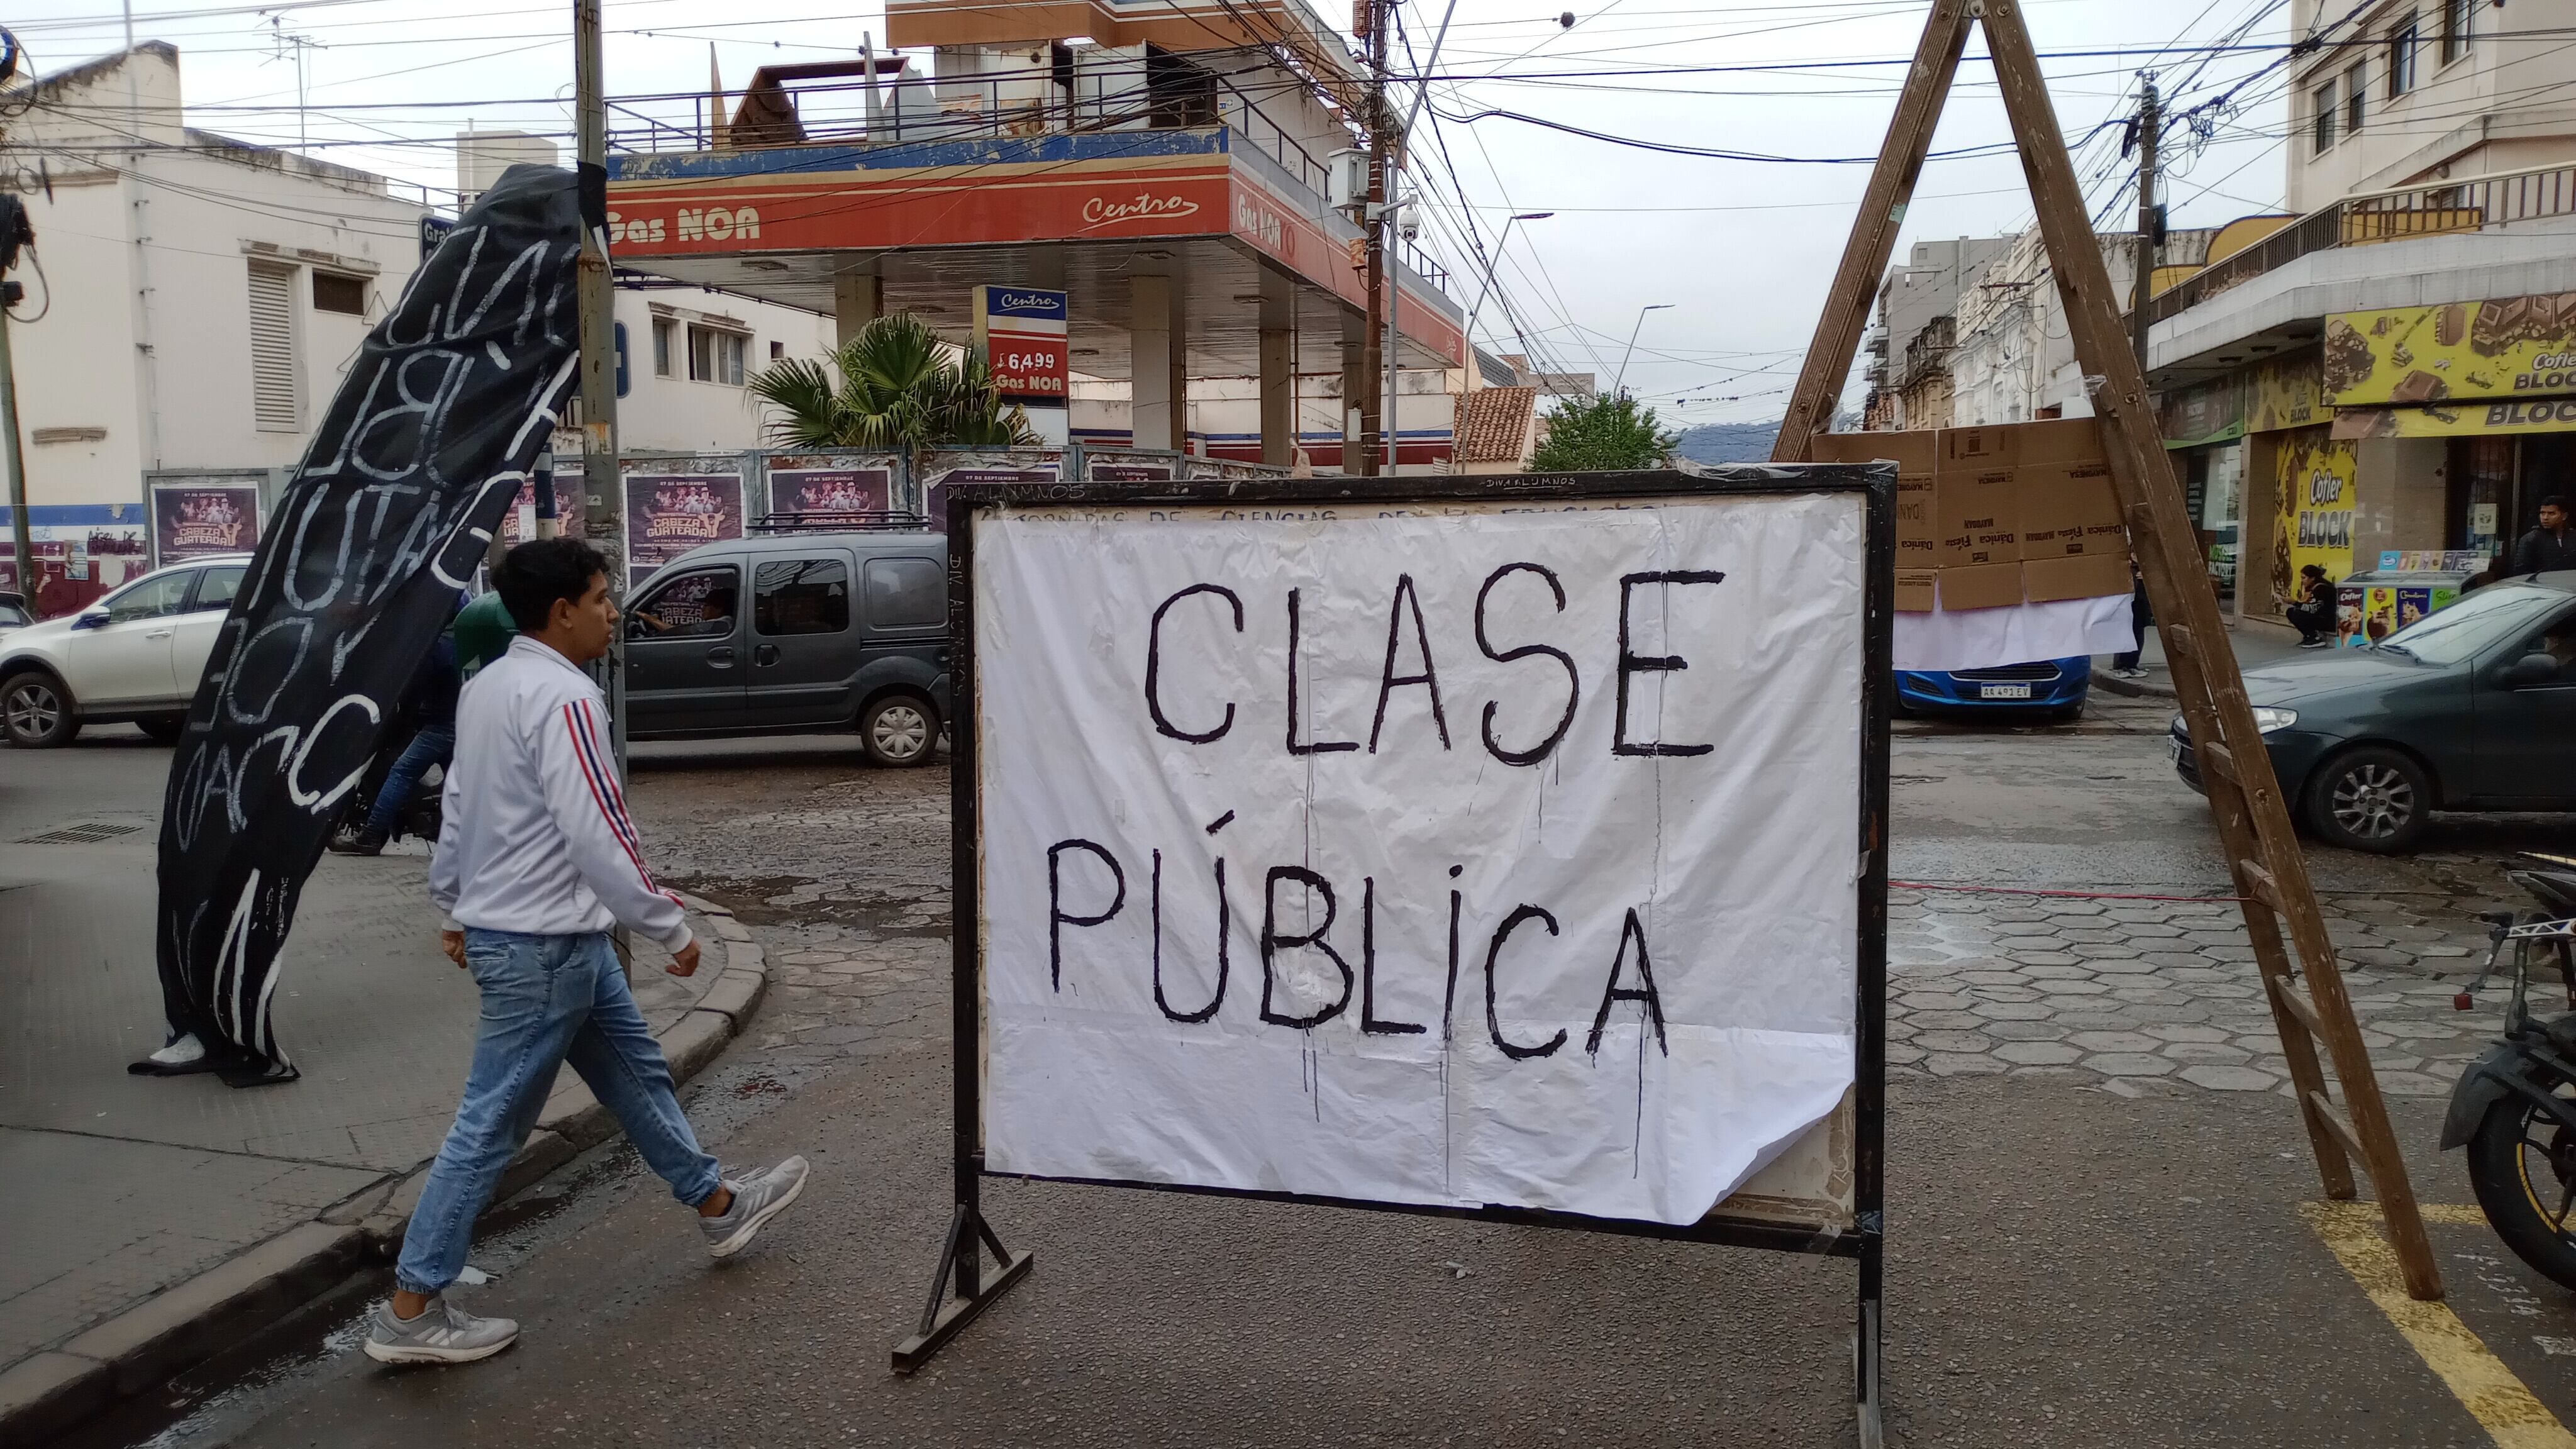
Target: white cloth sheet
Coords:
[(1449, 1061), (2013, 634)]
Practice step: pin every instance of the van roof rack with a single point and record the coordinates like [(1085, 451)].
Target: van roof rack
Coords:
[(888, 520)]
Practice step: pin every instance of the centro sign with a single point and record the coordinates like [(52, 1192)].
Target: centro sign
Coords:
[(1021, 332), (693, 224)]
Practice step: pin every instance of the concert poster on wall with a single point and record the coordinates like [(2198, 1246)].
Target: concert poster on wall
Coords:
[(668, 514)]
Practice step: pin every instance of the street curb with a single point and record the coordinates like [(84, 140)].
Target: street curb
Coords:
[(2133, 688), (53, 1390)]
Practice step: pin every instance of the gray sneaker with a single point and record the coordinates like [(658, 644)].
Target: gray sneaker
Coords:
[(444, 1333), (755, 1201)]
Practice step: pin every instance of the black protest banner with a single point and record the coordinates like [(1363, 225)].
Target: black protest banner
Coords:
[(446, 408)]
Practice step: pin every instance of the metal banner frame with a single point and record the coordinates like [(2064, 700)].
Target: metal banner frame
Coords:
[(961, 1288)]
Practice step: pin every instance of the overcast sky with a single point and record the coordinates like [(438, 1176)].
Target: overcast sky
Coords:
[(1741, 250)]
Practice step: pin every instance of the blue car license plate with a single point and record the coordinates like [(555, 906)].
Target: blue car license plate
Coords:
[(2003, 691)]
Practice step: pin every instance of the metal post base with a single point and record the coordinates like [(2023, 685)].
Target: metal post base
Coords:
[(1865, 1352), (944, 1317), (1865, 1363)]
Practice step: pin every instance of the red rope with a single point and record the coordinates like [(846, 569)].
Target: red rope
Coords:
[(1917, 885)]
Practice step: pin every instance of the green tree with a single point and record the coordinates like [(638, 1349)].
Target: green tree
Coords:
[(897, 389), (1590, 434)]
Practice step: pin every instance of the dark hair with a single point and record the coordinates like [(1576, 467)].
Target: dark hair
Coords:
[(2319, 570), (2554, 501), (536, 573)]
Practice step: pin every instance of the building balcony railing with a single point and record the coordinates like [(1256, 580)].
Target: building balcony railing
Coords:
[(1156, 93), (2446, 208)]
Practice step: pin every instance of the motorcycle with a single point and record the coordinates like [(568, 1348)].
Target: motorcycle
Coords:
[(2515, 1107), (421, 817)]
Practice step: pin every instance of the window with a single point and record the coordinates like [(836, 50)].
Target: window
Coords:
[(906, 593), (777, 350), (2401, 57), (801, 596), (715, 356), (273, 402), (2557, 639), (335, 293), (2356, 85), (2456, 18), (216, 587), (2478, 622), (663, 328), (2325, 118), (151, 598), (699, 604)]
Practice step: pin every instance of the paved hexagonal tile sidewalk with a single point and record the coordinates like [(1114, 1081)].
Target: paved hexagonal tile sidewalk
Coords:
[(2141, 997)]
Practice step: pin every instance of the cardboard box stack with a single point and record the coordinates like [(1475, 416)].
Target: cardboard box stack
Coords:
[(2073, 545), (1976, 506), (1913, 454), (2000, 514)]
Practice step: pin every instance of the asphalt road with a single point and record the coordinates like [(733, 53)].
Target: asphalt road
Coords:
[(2080, 1253)]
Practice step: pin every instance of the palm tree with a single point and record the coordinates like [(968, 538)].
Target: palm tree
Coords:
[(897, 390)]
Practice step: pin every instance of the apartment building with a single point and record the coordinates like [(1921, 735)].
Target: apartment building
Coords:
[(2382, 368), (2412, 91), (192, 304)]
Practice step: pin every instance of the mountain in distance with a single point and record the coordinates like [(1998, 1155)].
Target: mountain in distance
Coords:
[(1728, 442)]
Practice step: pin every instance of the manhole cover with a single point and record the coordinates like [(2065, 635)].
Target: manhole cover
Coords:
[(86, 833)]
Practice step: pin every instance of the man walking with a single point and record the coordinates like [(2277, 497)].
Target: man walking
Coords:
[(536, 861), (2551, 546)]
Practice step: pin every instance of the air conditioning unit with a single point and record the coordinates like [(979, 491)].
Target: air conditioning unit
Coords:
[(1346, 179)]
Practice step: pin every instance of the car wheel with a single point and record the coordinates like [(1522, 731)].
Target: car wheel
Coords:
[(37, 712), (2372, 799), (899, 730), (163, 729)]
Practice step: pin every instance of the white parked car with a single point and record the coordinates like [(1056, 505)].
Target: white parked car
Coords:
[(136, 655)]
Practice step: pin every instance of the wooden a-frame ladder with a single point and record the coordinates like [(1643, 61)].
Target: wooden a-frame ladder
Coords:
[(2270, 872)]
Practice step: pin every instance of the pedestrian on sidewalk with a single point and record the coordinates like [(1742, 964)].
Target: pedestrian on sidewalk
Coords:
[(2313, 612), (2551, 546), (538, 858), (2124, 665)]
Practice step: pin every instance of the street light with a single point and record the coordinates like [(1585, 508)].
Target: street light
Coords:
[(1619, 384), (1494, 261)]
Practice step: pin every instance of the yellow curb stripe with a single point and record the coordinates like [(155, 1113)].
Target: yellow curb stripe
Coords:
[(2452, 1214), (2499, 1401)]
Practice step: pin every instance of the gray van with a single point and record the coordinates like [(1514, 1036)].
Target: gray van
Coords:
[(792, 634)]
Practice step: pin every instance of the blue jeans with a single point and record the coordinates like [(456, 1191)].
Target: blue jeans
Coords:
[(546, 1000), (432, 745)]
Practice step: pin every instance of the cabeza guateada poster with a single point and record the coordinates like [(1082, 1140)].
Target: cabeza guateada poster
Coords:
[(445, 410)]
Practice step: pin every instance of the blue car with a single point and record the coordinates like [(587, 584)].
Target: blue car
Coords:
[(2051, 687)]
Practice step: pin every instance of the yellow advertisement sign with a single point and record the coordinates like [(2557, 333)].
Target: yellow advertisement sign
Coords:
[(2534, 415), (2288, 392), (2507, 348), (2312, 518)]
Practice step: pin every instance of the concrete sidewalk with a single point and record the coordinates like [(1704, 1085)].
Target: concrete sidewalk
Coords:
[(2257, 643), (168, 1214)]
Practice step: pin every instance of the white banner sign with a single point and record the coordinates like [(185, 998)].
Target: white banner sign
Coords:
[(1477, 855)]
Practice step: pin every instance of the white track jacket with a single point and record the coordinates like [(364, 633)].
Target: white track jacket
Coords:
[(537, 838)]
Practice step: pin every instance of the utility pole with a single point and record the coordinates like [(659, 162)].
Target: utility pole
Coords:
[(1374, 357), (595, 298), (17, 456), (2151, 217), (1394, 212)]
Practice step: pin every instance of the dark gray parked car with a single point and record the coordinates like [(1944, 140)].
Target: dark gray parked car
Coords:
[(2472, 708), (795, 633)]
